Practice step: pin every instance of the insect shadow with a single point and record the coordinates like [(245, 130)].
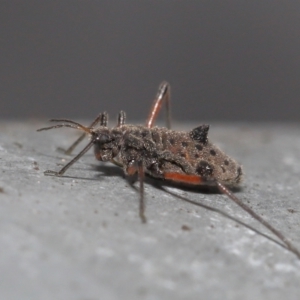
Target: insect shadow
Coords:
[(105, 170), (219, 211)]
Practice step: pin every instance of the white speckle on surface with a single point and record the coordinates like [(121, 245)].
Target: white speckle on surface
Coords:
[(149, 240), (287, 268), (134, 258), (292, 162), (105, 252), (168, 284), (31, 158), (289, 160)]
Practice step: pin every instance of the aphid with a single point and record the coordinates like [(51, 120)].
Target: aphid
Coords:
[(181, 157)]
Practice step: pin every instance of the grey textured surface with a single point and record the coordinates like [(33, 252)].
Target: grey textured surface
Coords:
[(80, 237)]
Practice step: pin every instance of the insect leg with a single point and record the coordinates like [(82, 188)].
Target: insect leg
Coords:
[(163, 94), (197, 180), (137, 167), (68, 165), (121, 118), (102, 119), (141, 174), (230, 195)]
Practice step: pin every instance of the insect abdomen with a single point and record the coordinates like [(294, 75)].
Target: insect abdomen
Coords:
[(206, 159)]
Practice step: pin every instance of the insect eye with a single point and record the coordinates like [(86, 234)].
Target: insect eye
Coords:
[(103, 138)]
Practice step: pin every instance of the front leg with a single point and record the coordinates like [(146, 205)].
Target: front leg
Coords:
[(101, 119), (131, 168)]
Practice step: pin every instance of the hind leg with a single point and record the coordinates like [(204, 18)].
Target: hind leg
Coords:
[(163, 95)]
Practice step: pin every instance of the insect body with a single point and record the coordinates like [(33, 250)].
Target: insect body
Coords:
[(166, 154), (182, 157)]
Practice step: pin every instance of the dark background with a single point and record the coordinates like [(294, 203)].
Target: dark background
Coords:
[(225, 60)]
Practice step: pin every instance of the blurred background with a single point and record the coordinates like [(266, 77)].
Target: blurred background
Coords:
[(225, 60)]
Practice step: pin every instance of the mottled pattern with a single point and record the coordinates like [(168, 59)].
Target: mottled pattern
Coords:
[(167, 151)]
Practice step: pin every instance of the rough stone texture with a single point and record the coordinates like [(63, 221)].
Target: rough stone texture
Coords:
[(80, 237)]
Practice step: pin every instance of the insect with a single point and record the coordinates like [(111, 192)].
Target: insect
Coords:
[(187, 158)]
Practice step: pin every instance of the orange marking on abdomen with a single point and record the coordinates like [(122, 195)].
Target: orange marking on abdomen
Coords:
[(131, 170), (184, 178)]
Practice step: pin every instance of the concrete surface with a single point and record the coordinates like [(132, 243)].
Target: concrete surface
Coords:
[(80, 237)]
